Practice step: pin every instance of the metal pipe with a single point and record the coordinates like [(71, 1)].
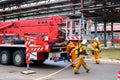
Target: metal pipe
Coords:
[(36, 10), (37, 5), (3, 13), (112, 33), (105, 40), (55, 7), (82, 6), (43, 12), (41, 16), (96, 8)]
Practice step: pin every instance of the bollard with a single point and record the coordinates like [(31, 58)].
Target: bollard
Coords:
[(28, 71), (27, 43)]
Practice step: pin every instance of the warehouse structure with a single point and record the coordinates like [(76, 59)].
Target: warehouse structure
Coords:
[(99, 11)]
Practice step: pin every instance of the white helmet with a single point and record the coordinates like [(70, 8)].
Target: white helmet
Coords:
[(96, 39), (84, 41)]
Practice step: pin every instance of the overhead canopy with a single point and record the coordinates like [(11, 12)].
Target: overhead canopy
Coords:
[(102, 10), (99, 10), (11, 9)]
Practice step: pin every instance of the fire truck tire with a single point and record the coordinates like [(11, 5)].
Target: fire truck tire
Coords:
[(19, 58), (5, 57)]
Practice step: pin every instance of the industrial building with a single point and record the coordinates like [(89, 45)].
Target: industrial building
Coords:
[(99, 11)]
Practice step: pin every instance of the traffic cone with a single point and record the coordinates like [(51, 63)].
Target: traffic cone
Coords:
[(118, 77)]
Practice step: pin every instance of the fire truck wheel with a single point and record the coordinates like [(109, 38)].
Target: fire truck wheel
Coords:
[(18, 58), (5, 57)]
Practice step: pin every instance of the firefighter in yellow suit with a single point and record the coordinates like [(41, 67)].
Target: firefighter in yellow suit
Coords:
[(71, 49), (80, 60), (96, 49)]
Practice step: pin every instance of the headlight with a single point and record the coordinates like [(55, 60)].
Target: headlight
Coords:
[(45, 38)]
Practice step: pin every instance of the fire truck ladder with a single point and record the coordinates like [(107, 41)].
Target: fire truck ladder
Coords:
[(73, 29), (77, 30)]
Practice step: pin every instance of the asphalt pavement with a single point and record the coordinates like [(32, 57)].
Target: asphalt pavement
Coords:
[(104, 60)]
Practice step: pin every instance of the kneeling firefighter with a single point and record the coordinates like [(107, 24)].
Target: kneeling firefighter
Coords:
[(96, 49), (71, 49), (82, 51)]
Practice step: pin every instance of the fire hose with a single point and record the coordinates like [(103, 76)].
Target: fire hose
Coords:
[(54, 73)]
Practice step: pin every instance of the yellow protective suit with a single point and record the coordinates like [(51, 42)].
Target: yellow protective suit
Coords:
[(71, 49), (96, 47), (80, 60)]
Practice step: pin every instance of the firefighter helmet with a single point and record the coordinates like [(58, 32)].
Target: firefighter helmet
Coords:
[(84, 41), (96, 39)]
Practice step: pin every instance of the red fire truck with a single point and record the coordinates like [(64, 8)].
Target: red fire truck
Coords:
[(46, 37)]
